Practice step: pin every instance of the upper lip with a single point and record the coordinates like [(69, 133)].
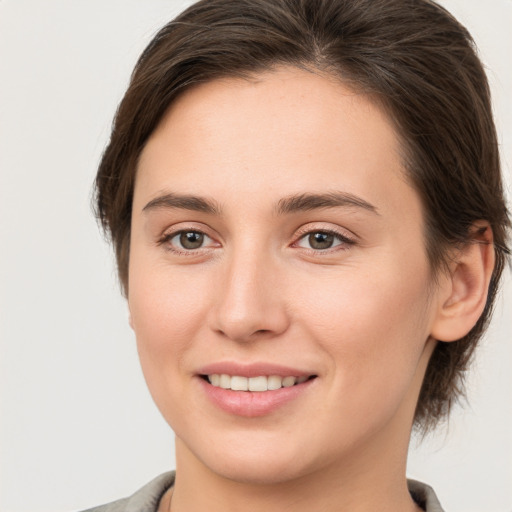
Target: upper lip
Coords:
[(252, 370)]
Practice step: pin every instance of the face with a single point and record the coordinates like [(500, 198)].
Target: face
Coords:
[(278, 280)]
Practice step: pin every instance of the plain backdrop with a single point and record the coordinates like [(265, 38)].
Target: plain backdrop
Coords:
[(78, 427)]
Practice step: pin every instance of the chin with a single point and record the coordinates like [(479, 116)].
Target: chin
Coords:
[(256, 461), (258, 471)]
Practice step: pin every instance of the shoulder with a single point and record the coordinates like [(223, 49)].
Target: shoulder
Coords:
[(145, 499), (424, 496)]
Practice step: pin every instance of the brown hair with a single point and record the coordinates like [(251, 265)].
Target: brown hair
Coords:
[(411, 55)]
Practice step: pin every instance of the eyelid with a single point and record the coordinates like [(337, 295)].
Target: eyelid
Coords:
[(171, 232), (346, 237)]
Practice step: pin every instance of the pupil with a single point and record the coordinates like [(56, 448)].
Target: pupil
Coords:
[(191, 240), (321, 240)]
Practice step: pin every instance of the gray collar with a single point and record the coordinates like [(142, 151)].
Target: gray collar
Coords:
[(148, 498), (424, 496)]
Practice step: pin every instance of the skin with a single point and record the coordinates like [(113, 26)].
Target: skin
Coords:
[(361, 315)]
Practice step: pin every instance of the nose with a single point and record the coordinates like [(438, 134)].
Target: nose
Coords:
[(250, 303)]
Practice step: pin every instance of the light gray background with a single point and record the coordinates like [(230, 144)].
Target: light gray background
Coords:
[(78, 427)]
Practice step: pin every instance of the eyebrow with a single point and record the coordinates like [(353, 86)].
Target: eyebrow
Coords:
[(307, 202), (184, 202), (295, 203)]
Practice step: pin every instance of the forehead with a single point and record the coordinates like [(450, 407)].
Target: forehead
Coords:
[(288, 127), (285, 101)]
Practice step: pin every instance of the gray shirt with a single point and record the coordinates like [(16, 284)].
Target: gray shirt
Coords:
[(147, 498)]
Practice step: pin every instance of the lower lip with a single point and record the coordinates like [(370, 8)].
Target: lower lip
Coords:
[(251, 404)]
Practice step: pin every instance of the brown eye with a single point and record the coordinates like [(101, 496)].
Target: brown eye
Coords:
[(320, 240), (324, 240), (191, 239), (188, 241)]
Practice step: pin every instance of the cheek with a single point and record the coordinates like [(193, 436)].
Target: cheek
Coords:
[(164, 303), (167, 309), (373, 327), (351, 303)]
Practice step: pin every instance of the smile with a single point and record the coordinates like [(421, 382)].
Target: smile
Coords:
[(259, 384), (255, 395)]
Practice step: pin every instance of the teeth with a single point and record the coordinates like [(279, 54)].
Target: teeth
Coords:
[(261, 383), (239, 383), (224, 381), (288, 382), (274, 382), (258, 384)]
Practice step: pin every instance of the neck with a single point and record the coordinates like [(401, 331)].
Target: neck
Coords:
[(365, 481)]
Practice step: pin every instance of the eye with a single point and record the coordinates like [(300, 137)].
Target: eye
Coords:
[(322, 240), (187, 240)]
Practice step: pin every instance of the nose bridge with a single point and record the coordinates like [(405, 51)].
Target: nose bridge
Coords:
[(249, 300)]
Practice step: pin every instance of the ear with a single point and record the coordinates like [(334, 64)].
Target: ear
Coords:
[(463, 294)]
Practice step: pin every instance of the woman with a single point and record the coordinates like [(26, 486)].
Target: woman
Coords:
[(305, 201)]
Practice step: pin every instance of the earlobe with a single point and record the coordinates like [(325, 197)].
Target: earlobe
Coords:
[(464, 293)]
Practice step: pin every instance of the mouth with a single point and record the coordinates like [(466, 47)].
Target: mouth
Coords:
[(256, 389), (257, 384)]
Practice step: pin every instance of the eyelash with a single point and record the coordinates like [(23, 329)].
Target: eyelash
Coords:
[(166, 239), (342, 238)]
